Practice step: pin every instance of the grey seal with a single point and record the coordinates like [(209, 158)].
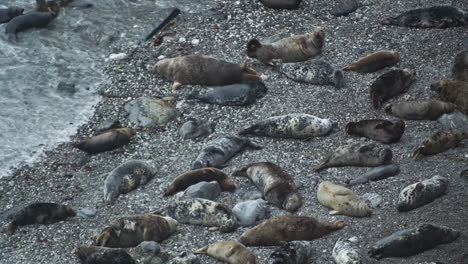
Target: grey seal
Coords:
[(293, 252), (385, 131), (103, 255), (421, 193), (433, 17), (346, 252), (317, 72), (389, 85), (376, 174), (7, 14)]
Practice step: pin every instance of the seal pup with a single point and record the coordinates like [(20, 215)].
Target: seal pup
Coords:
[(454, 92), (345, 252), (281, 4), (129, 231), (460, 67), (103, 255), (126, 178), (194, 128), (40, 213), (293, 49), (231, 252), (275, 184), (420, 110), (375, 174), (433, 17), (238, 94), (204, 70), (389, 85), (187, 179), (385, 131), (412, 241), (293, 252), (357, 154), (342, 200), (108, 140), (7, 14), (248, 211), (278, 230), (314, 71), (374, 61), (218, 151), (197, 211), (440, 142), (421, 193), (296, 126)]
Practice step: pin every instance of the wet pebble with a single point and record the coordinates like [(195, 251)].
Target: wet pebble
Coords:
[(86, 212)]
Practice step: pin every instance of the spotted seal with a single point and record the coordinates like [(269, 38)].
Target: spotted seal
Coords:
[(412, 241), (108, 140), (293, 252), (103, 255), (296, 126), (420, 110), (281, 229), (197, 211), (389, 85), (345, 252), (421, 193), (385, 131), (293, 49), (374, 61), (317, 72), (440, 142), (231, 252), (342, 200), (276, 185), (40, 213), (453, 91), (375, 174), (129, 231), (126, 178), (433, 17), (282, 4), (187, 179), (460, 67), (218, 151), (7, 14), (203, 70), (357, 154)]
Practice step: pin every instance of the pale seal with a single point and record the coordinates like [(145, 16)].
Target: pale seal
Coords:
[(278, 230), (282, 4), (440, 142), (421, 193), (293, 252), (389, 85), (412, 241), (7, 14), (420, 110), (126, 178), (248, 211), (342, 200), (454, 92), (103, 255), (108, 140), (432, 17), (374, 61), (385, 131), (376, 174), (317, 72), (460, 67), (346, 252), (231, 252), (296, 126), (275, 184)]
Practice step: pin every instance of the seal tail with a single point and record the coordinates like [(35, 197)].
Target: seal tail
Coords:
[(417, 154), (193, 96), (12, 227), (336, 225), (322, 165), (248, 131), (203, 250), (249, 73), (338, 78)]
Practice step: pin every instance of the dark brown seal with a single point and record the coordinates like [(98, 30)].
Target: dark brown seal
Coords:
[(460, 67), (109, 140), (453, 91), (187, 179), (420, 110), (7, 14), (374, 61), (282, 4), (385, 131), (275, 184), (40, 213), (281, 229), (443, 16), (389, 85), (103, 255), (440, 142), (293, 49), (204, 70)]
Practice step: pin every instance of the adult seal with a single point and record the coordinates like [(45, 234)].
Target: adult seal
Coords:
[(385, 131), (103, 255), (317, 72), (296, 126), (293, 49), (231, 252), (276, 185), (342, 200), (389, 85), (421, 193), (420, 110), (454, 92), (374, 61), (460, 67), (440, 142), (375, 174), (432, 17), (7, 14), (278, 230), (282, 4), (108, 140)]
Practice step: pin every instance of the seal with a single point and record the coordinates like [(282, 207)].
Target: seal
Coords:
[(389, 85), (293, 49), (129, 231), (420, 110), (345, 7), (357, 154), (7, 14), (317, 72), (342, 200), (204, 212), (374, 61), (460, 67), (248, 211), (440, 142), (103, 255), (204, 70), (293, 252), (194, 128), (282, 4), (453, 91), (376, 174), (40, 213), (231, 252), (433, 17), (218, 151), (296, 126), (275, 184), (281, 229), (126, 178), (108, 140), (385, 131), (238, 94), (345, 252), (421, 193), (187, 179), (412, 241)]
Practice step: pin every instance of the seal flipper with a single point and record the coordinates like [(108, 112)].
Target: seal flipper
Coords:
[(254, 145), (203, 250), (338, 77), (322, 165)]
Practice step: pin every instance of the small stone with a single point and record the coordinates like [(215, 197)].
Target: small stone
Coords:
[(117, 56), (374, 199), (149, 248), (205, 190), (195, 42), (86, 212), (248, 212), (182, 40), (161, 57)]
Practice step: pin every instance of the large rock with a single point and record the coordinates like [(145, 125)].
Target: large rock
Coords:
[(455, 120), (146, 112), (205, 190)]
